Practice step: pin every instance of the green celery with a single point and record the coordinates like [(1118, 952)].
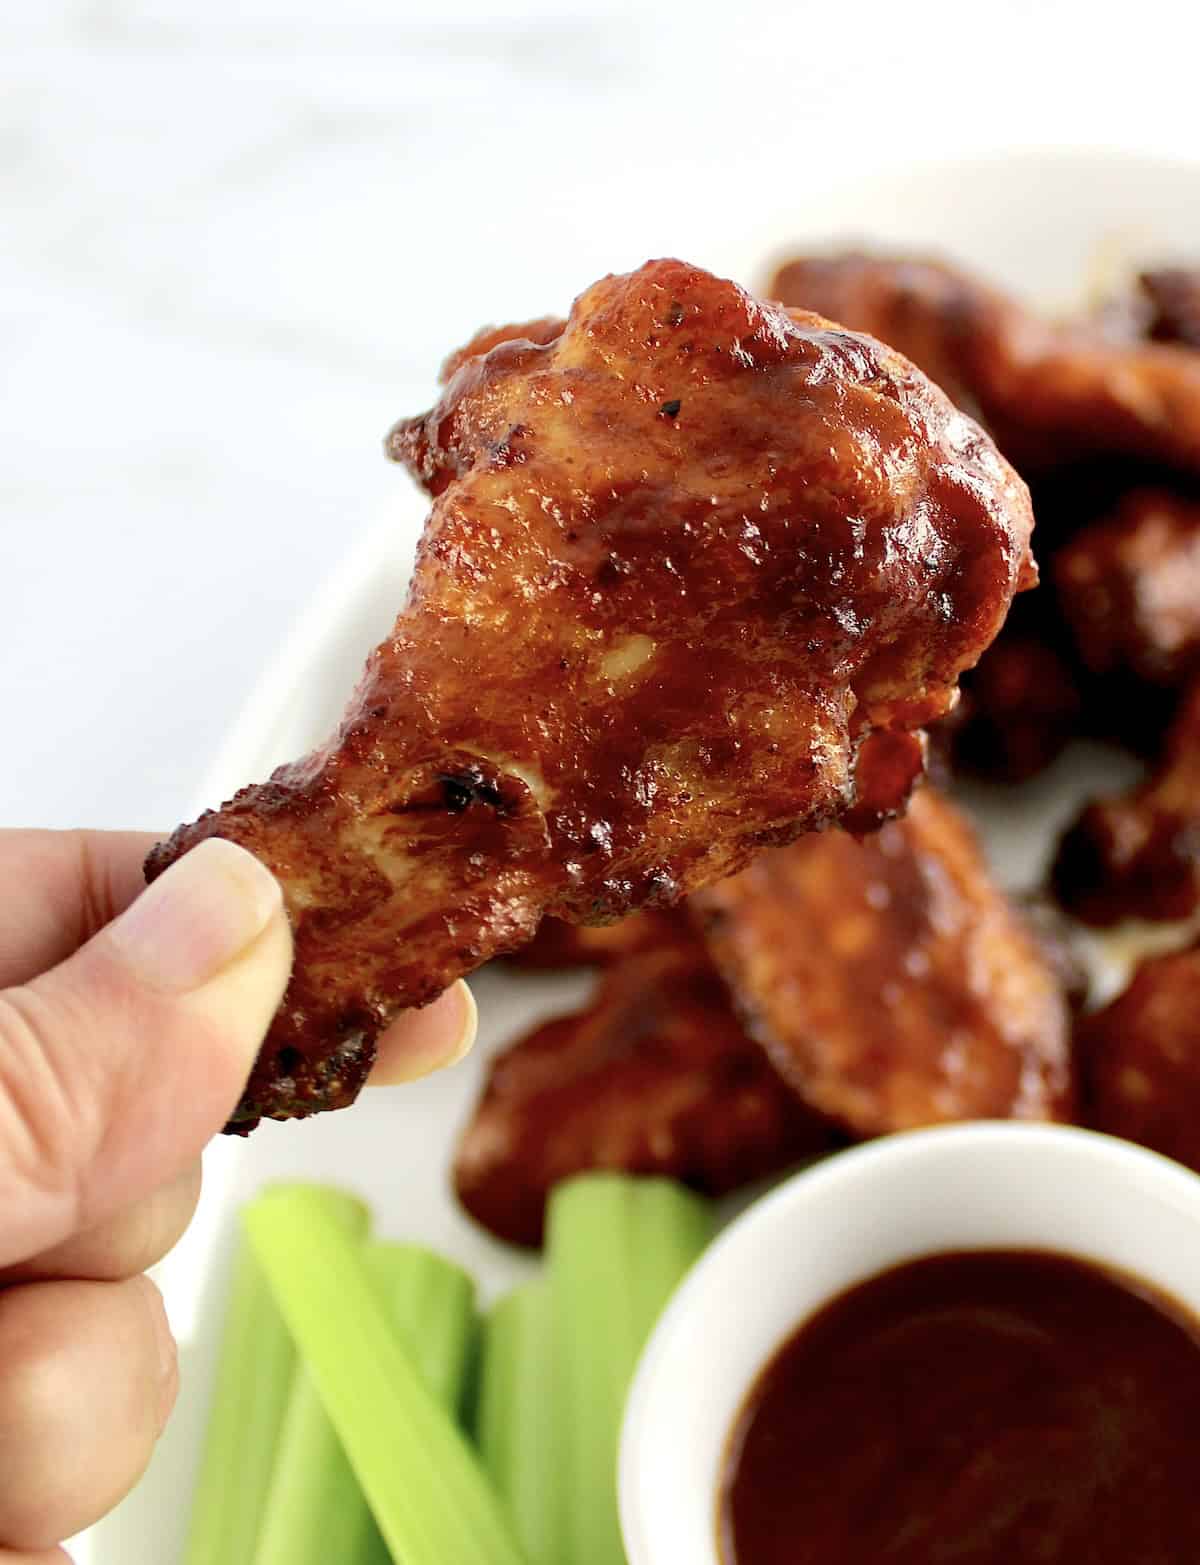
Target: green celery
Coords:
[(253, 1383), (617, 1247), (514, 1421), (430, 1498), (316, 1512), (431, 1302)]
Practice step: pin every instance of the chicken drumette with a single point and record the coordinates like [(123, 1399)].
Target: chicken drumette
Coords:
[(687, 551)]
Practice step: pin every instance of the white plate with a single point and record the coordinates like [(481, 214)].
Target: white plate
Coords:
[(1041, 223)]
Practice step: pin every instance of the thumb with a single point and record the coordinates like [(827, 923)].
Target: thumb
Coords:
[(119, 1064)]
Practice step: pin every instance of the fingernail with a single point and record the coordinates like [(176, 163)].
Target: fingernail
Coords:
[(166, 1349), (469, 1023), (197, 917), (427, 1040)]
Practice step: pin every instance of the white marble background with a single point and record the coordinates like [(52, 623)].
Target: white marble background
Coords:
[(237, 236)]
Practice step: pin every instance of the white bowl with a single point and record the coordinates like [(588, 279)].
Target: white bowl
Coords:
[(964, 1187)]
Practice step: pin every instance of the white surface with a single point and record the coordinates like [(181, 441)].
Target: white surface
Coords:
[(997, 1186), (239, 235), (394, 1145)]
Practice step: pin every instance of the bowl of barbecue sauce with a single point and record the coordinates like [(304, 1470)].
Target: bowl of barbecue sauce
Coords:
[(976, 1344)]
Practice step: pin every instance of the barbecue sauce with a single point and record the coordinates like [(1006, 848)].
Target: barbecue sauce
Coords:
[(983, 1408)]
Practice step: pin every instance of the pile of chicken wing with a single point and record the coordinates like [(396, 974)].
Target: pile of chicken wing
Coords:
[(850, 985), (699, 581)]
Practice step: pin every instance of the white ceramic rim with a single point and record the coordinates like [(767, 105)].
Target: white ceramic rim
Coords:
[(650, 1511)]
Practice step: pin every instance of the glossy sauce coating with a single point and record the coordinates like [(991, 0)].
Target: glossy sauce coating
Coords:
[(655, 1075), (890, 980), (988, 1408), (686, 551)]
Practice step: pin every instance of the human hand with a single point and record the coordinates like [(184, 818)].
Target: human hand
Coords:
[(129, 1018)]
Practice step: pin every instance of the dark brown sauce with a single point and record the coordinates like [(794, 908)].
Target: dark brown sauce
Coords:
[(973, 1409)]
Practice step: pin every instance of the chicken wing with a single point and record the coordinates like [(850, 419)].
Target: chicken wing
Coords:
[(655, 1076), (1046, 391), (890, 981), (1137, 855), (1139, 1059), (686, 551), (1129, 586)]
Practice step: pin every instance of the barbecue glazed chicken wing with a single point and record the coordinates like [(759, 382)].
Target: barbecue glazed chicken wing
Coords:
[(655, 1075), (890, 981), (1129, 587), (1047, 391), (686, 552)]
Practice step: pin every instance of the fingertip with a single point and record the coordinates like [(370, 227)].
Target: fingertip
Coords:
[(207, 910), (432, 1038)]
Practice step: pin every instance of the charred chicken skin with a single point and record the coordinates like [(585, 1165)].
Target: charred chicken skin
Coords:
[(890, 980), (686, 552)]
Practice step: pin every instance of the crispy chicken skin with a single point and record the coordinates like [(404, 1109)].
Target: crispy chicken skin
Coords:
[(655, 1076), (890, 981), (684, 555), (1129, 586), (1139, 1059), (1046, 391), (1137, 855)]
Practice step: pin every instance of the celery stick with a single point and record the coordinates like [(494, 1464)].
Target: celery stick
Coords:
[(430, 1498), (671, 1229), (431, 1302), (514, 1420), (255, 1370), (316, 1512), (616, 1247)]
